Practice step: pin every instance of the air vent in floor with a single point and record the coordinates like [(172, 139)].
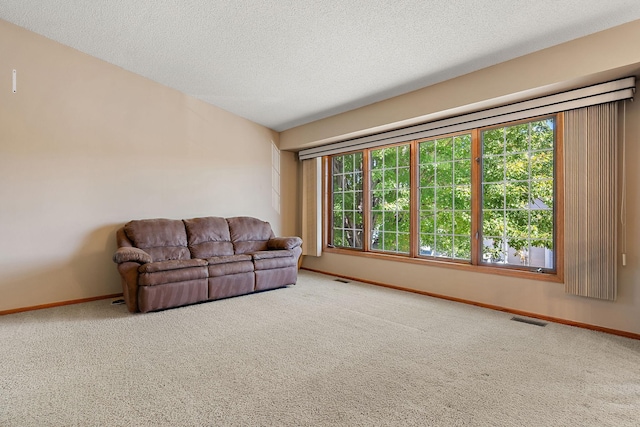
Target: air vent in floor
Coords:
[(529, 321), (342, 281)]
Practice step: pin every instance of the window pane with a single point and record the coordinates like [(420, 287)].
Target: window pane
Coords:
[(462, 147), (427, 197), (493, 223), (517, 195), (390, 178), (390, 156), (347, 200), (462, 197), (517, 166), (445, 195), (542, 136), (493, 169), (444, 173), (444, 222), (542, 194), (427, 175), (462, 172), (462, 222), (517, 217), (517, 138), (518, 224), (427, 222), (493, 142), (427, 244), (444, 246), (390, 221), (377, 200), (427, 152), (444, 149), (493, 196), (541, 164), (338, 219), (404, 156), (444, 198), (377, 160), (461, 247), (403, 242)]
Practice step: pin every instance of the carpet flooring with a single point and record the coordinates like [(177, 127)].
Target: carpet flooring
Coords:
[(321, 353)]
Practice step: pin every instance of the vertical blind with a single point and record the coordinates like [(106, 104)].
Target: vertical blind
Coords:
[(312, 207), (590, 170)]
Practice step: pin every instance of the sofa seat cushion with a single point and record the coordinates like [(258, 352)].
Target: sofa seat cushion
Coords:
[(272, 263), (208, 237), (230, 268), (177, 264), (272, 254), (171, 276), (163, 239), (228, 259)]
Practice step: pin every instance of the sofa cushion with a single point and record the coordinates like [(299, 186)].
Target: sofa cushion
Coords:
[(228, 259), (163, 239), (172, 276), (249, 234), (269, 264), (218, 270), (208, 237), (171, 265), (272, 254)]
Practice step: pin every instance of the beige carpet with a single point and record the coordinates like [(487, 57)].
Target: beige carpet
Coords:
[(315, 354)]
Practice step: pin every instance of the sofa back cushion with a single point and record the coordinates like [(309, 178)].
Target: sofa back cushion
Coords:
[(208, 237), (249, 234), (163, 239)]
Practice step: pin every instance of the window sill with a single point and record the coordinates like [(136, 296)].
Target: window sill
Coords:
[(530, 275)]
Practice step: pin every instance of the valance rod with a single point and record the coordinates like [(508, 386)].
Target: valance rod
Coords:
[(578, 98)]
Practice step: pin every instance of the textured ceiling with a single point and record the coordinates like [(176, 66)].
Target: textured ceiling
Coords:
[(282, 63)]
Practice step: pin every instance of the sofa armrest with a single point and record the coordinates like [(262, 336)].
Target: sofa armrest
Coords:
[(284, 243), (131, 255), (129, 275)]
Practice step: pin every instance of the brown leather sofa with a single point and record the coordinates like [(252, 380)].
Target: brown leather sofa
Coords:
[(169, 263)]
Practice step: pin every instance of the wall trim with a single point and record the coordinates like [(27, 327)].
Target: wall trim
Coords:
[(57, 304), (489, 306)]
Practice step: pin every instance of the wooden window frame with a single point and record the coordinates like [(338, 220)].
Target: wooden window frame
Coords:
[(475, 264)]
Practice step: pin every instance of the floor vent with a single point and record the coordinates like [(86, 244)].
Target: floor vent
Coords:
[(342, 281), (529, 321)]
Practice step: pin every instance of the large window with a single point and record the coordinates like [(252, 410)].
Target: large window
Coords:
[(483, 197)]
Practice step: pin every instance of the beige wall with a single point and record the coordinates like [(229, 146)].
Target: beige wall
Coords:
[(610, 54), (86, 146)]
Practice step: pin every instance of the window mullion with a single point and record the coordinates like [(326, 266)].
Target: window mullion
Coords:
[(414, 206), (476, 197), (366, 202)]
